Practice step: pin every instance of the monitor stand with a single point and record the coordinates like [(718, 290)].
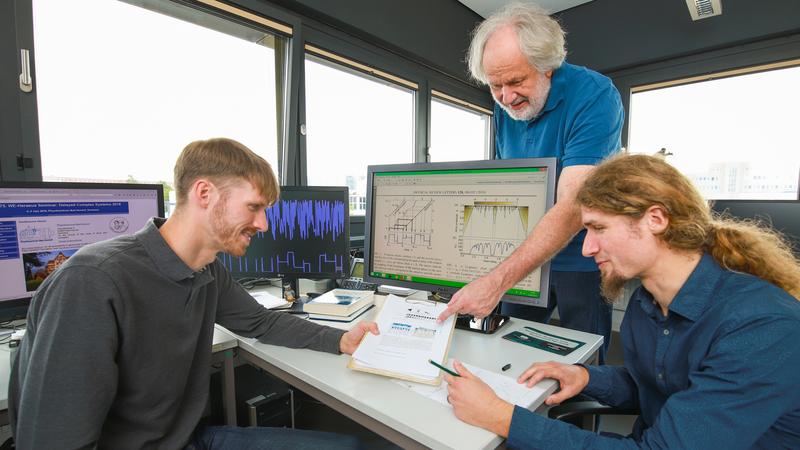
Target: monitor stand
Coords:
[(487, 325)]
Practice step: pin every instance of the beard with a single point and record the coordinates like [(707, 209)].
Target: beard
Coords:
[(230, 235), (611, 286), (535, 103)]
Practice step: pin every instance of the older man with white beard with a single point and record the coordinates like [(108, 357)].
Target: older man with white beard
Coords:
[(545, 107)]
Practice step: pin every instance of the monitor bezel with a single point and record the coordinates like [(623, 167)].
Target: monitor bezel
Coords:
[(310, 275), (446, 291), (13, 309)]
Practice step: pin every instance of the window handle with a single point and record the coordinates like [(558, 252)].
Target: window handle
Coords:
[(25, 80)]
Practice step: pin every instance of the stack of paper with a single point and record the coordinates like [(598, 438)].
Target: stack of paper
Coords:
[(409, 337)]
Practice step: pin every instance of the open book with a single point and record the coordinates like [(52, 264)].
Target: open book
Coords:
[(409, 338)]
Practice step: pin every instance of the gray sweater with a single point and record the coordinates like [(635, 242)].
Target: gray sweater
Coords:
[(118, 346)]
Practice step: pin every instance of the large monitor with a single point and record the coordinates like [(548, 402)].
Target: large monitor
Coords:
[(308, 236), (438, 226), (42, 224), (782, 215)]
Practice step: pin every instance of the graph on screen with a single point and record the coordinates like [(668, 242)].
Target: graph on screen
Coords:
[(493, 228)]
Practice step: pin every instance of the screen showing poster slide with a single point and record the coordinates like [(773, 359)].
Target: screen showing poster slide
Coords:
[(44, 224)]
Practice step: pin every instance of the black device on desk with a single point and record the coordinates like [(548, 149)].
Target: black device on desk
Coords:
[(487, 325), (356, 280)]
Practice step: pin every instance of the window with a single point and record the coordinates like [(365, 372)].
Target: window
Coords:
[(459, 131), (122, 89), (354, 120), (735, 135)]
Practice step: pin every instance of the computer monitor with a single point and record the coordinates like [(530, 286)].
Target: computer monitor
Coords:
[(782, 215), (308, 236), (438, 226), (42, 224)]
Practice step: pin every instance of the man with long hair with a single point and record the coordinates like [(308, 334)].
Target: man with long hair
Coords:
[(710, 338), (118, 349)]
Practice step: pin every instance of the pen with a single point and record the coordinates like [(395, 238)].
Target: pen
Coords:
[(444, 368)]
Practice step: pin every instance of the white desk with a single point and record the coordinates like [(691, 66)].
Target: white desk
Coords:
[(392, 410), (378, 403), (222, 349)]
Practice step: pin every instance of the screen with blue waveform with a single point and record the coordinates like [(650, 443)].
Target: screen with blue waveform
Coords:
[(308, 234)]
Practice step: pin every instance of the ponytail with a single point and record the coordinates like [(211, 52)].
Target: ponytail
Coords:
[(751, 247)]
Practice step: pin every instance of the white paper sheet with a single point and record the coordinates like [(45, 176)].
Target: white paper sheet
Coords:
[(505, 387), (268, 300)]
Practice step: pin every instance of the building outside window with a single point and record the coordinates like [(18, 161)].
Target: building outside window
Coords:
[(735, 135)]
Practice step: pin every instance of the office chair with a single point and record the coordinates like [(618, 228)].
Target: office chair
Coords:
[(584, 412)]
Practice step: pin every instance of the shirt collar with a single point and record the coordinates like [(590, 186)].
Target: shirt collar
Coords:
[(697, 293), (165, 259)]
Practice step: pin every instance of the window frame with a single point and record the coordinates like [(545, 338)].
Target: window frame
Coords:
[(20, 119), (735, 57)]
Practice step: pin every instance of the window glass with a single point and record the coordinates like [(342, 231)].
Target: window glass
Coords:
[(457, 133), (122, 89), (735, 137), (352, 121)]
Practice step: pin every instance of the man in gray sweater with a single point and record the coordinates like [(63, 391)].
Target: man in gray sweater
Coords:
[(118, 347)]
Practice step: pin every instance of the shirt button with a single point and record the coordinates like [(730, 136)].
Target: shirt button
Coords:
[(660, 376), (666, 331)]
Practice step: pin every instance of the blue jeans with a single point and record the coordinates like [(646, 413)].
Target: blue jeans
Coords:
[(265, 438), (580, 306)]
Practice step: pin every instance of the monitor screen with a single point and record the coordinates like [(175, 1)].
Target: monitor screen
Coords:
[(43, 224), (438, 226), (308, 235), (357, 271), (782, 215)]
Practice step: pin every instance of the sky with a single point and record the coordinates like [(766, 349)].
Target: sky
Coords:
[(117, 103), (746, 118)]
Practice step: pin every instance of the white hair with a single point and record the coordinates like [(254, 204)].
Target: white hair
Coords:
[(541, 38)]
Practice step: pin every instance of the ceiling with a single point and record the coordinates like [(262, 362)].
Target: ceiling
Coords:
[(486, 7)]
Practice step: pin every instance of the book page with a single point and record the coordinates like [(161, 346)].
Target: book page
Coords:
[(409, 337), (505, 387)]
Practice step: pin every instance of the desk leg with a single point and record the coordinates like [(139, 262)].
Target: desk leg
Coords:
[(337, 405), (228, 388)]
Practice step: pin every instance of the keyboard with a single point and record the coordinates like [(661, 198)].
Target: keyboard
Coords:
[(358, 284)]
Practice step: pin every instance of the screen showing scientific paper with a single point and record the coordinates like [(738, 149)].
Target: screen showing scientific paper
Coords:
[(449, 227), (42, 227)]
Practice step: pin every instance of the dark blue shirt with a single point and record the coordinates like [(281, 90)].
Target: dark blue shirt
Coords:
[(580, 124), (720, 371)]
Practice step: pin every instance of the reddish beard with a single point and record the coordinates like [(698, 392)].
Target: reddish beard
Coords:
[(611, 285)]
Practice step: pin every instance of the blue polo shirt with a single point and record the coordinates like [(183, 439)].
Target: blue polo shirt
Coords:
[(719, 371), (580, 124)]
